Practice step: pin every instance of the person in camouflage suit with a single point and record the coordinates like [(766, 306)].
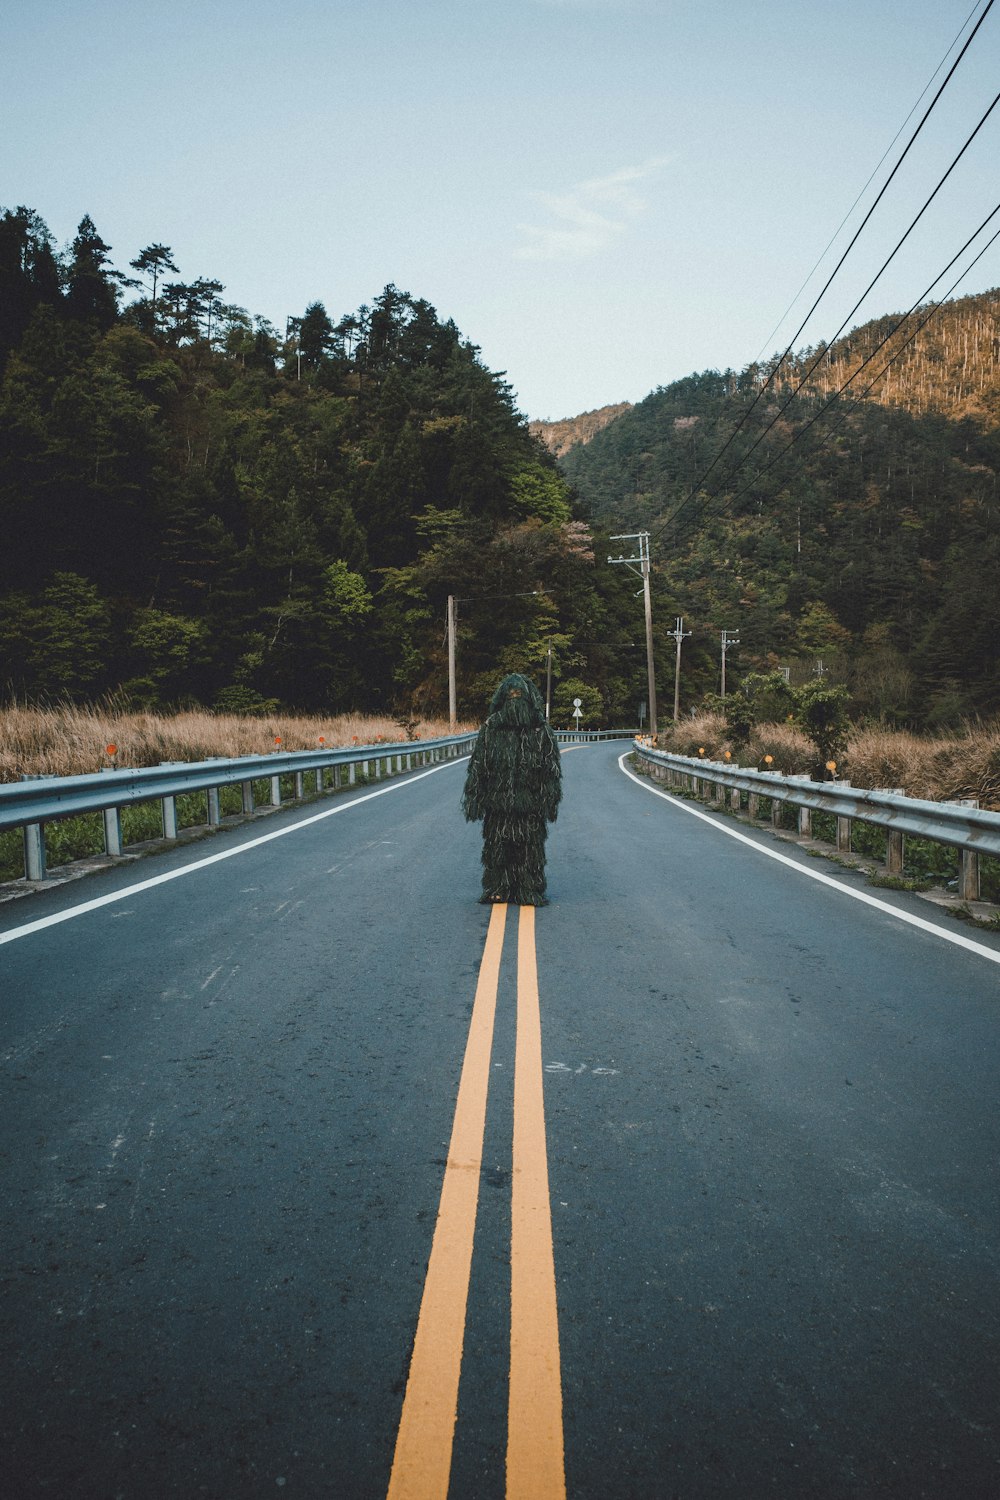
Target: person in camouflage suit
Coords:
[(514, 784)]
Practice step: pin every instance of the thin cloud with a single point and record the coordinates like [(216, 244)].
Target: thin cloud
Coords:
[(587, 218)]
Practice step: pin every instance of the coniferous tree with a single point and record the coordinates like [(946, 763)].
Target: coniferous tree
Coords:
[(29, 273), (316, 335), (154, 261), (92, 285)]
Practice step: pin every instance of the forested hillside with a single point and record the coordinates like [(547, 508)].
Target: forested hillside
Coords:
[(862, 535), (199, 508)]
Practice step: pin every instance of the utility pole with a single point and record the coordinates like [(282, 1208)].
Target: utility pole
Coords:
[(640, 565), (452, 700), (679, 634), (727, 641)]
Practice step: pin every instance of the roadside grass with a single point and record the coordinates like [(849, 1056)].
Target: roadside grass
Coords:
[(943, 767), (71, 740)]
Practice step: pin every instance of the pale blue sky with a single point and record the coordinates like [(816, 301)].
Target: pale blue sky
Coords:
[(604, 194)]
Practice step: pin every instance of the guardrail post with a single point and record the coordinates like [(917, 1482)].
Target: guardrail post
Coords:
[(214, 810), (805, 822), (352, 774), (275, 791), (968, 860), (319, 778), (843, 835), (734, 799), (113, 831), (968, 875), (168, 807), (34, 851), (299, 787), (894, 844), (247, 789), (753, 806), (776, 812)]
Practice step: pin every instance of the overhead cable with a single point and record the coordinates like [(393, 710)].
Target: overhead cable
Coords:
[(899, 244), (923, 120), (878, 348), (874, 172), (782, 409)]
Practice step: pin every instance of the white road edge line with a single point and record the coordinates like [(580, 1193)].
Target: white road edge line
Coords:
[(213, 859), (957, 938)]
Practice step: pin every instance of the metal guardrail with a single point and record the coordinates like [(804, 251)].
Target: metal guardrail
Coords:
[(588, 736), (34, 801), (972, 830)]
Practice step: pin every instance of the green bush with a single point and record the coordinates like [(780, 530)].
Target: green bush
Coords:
[(820, 711)]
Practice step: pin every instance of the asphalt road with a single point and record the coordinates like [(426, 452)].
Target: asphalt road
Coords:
[(771, 1139)]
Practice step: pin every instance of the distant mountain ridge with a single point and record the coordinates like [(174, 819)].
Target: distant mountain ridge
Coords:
[(570, 432), (944, 360)]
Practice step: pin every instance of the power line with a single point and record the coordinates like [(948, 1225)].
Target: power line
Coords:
[(892, 358), (782, 409), (871, 284), (875, 169), (881, 193), (744, 418), (881, 345)]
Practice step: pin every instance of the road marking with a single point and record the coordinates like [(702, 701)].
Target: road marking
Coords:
[(957, 938), (535, 1458), (212, 859), (422, 1462), (421, 1467)]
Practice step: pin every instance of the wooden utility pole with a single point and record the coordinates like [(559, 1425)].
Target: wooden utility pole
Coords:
[(679, 634), (452, 698), (640, 565), (727, 641)]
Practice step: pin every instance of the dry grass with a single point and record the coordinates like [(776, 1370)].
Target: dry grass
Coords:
[(69, 741), (962, 764), (965, 763)]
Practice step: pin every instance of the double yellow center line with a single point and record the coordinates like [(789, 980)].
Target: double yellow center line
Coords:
[(535, 1466)]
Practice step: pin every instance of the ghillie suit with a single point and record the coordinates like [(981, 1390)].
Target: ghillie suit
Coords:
[(514, 784)]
